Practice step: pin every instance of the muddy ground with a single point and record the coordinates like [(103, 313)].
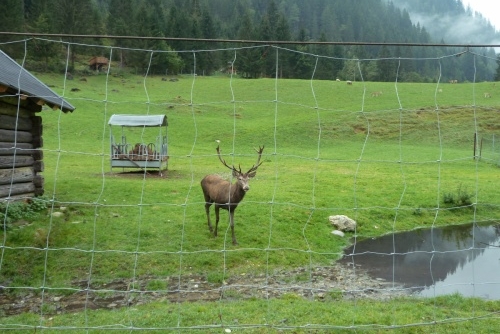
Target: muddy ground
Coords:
[(320, 283)]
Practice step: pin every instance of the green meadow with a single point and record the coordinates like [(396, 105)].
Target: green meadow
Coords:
[(395, 161)]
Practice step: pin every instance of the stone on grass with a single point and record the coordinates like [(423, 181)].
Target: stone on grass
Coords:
[(337, 232), (343, 223)]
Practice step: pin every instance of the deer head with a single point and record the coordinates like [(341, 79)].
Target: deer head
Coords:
[(241, 177)]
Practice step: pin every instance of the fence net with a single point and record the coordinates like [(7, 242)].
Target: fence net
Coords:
[(123, 247)]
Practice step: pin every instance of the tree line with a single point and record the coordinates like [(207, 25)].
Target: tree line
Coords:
[(371, 21)]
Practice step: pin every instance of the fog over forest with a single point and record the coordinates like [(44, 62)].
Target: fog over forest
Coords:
[(418, 22)]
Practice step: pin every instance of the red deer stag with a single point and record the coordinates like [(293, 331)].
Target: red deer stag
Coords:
[(227, 195)]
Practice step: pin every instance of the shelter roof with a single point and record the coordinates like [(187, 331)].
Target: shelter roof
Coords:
[(138, 120), (15, 78)]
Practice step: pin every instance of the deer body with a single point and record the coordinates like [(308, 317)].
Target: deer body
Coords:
[(226, 195)]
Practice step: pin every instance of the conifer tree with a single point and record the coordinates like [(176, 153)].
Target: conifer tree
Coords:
[(283, 34), (118, 24), (497, 73), (386, 67), (247, 61), (75, 17), (11, 20)]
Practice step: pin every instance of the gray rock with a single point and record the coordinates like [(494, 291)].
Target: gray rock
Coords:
[(343, 223), (337, 232)]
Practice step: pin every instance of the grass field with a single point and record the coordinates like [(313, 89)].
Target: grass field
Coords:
[(386, 161)]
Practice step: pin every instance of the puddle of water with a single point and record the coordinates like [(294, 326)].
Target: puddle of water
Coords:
[(433, 262)]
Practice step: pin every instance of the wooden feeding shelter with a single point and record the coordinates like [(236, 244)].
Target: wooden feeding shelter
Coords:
[(22, 96), (137, 153), (98, 63)]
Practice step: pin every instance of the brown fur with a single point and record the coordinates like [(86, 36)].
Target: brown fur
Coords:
[(226, 195)]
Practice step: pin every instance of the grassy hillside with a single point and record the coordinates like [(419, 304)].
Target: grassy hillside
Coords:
[(330, 149), (387, 161)]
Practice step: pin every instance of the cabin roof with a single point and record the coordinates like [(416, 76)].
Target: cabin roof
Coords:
[(17, 79), (138, 120)]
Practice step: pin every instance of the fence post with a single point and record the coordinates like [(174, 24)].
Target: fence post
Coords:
[(475, 145), (480, 148)]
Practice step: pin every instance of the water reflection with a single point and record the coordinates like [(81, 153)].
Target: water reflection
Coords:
[(464, 259)]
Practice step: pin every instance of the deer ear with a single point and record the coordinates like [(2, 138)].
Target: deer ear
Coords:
[(252, 174), (235, 173)]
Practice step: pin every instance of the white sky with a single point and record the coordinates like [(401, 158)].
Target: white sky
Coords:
[(488, 8)]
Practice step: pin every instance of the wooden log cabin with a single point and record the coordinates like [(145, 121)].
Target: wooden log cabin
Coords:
[(22, 97)]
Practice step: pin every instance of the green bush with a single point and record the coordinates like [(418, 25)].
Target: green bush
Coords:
[(464, 198), (461, 198), (449, 198), (27, 210)]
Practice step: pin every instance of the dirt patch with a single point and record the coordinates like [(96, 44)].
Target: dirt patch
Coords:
[(140, 174), (148, 174), (320, 283)]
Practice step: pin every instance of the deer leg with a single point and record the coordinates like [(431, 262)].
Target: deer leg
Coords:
[(216, 219), (231, 223), (207, 210)]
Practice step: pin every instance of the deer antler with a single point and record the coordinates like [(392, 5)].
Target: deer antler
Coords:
[(224, 161), (254, 167), (258, 163)]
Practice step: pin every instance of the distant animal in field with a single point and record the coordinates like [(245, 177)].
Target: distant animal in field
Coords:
[(487, 95), (226, 195), (453, 81), (375, 94), (349, 82)]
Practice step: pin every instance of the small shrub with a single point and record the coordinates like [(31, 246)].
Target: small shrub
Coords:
[(448, 198), (461, 198), (27, 210), (38, 204), (12, 212)]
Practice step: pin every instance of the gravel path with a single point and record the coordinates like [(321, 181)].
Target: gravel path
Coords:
[(320, 283)]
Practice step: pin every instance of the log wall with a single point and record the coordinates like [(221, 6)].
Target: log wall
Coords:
[(21, 157)]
